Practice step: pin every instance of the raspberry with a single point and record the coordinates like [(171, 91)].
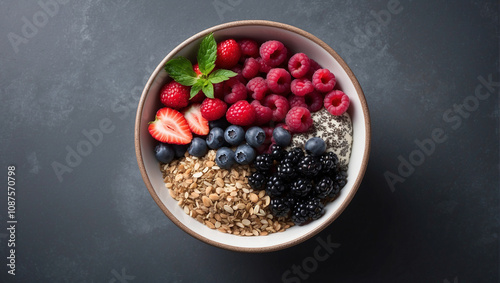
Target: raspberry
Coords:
[(238, 69), (262, 148), (298, 65), (257, 88), (249, 48), (283, 125), (336, 102), (323, 80), (314, 66), (314, 101), (234, 91), (263, 114), (278, 80), (279, 105), (264, 68), (269, 135), (294, 100), (298, 119), (213, 109), (273, 52), (198, 98), (250, 68), (219, 90), (301, 87), (175, 95), (228, 54), (241, 113)]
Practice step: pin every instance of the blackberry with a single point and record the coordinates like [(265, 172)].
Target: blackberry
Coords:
[(306, 210), (301, 187), (295, 155), (339, 182), (309, 166), (263, 162), (329, 162), (323, 187), (257, 180), (286, 170), (275, 186), (281, 206), (315, 208), (299, 213), (277, 152)]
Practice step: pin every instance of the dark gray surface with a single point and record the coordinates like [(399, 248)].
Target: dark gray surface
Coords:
[(87, 63)]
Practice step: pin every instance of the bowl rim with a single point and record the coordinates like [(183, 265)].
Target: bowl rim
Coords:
[(267, 23)]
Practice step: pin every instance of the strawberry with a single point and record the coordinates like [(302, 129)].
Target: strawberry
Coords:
[(197, 124), (241, 113), (175, 95), (170, 127), (228, 54), (213, 109)]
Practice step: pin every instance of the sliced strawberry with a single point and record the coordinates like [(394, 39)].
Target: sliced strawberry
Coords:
[(170, 127), (197, 123)]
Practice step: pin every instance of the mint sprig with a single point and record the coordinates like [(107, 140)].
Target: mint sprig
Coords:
[(207, 54), (181, 69)]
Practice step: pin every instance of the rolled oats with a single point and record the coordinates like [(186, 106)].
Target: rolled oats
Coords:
[(221, 199)]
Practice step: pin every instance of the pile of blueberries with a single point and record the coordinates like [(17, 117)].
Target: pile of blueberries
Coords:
[(247, 143), (299, 182)]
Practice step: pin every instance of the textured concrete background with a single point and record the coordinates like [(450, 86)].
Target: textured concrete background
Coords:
[(74, 66)]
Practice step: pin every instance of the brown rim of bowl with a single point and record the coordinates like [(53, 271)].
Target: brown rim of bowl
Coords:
[(311, 37)]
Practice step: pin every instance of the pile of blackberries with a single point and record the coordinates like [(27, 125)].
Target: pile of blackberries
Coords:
[(299, 183)]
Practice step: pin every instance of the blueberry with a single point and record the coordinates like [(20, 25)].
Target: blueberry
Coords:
[(215, 138), (220, 123), (234, 135), (164, 153), (282, 137), (315, 146), (224, 157), (244, 154), (198, 147), (255, 136), (180, 149)]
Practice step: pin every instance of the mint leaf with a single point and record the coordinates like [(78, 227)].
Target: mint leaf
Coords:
[(196, 88), (207, 53), (208, 89), (221, 75), (181, 70)]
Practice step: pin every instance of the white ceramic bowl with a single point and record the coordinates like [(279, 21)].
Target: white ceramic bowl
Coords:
[(298, 41)]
